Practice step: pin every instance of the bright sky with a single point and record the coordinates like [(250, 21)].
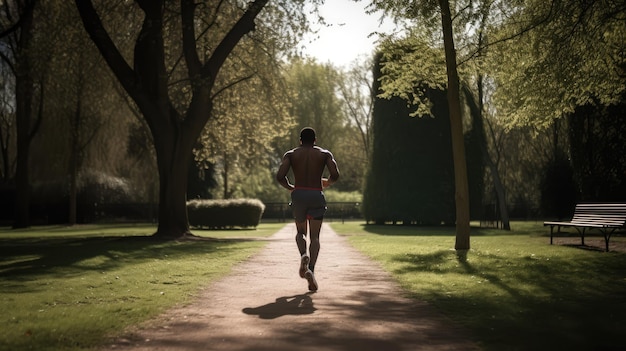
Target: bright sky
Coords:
[(346, 38)]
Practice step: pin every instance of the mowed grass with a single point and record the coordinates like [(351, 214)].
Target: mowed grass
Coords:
[(514, 291), (69, 288)]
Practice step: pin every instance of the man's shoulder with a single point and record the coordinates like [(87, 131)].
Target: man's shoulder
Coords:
[(324, 151), (290, 152), (321, 149)]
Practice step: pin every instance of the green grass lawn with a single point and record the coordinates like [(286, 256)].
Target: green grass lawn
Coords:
[(68, 288), (514, 291)]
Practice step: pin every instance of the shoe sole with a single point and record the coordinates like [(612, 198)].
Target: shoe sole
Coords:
[(311, 279), (304, 265)]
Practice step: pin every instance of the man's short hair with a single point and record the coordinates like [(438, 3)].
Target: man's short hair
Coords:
[(307, 135)]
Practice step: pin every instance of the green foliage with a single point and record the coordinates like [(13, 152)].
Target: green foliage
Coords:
[(333, 195), (200, 180), (236, 141), (314, 103), (314, 95), (410, 66), (104, 188), (351, 160), (573, 56), (510, 286), (220, 214), (539, 61)]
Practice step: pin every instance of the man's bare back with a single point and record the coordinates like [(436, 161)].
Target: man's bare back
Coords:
[(308, 163)]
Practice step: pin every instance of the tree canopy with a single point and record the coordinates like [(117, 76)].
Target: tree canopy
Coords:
[(175, 86), (573, 56)]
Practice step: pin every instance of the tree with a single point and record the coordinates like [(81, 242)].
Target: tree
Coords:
[(456, 127), (74, 67), (357, 92), (426, 10), (571, 64), (7, 122), (175, 125), (313, 91), (17, 35), (240, 136)]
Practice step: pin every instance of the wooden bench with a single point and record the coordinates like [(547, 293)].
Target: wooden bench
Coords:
[(605, 217)]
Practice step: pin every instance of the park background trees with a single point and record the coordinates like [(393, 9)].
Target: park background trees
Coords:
[(541, 84), (529, 52)]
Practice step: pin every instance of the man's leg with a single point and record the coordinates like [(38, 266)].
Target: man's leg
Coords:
[(301, 242), (315, 225), (301, 236), (314, 248)]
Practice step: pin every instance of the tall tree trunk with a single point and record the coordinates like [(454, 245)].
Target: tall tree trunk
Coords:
[(173, 220), (73, 193), (476, 110), (74, 161), (23, 96), (500, 192), (225, 193), (456, 127), (24, 92)]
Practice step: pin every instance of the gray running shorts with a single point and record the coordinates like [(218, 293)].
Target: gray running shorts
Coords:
[(308, 204)]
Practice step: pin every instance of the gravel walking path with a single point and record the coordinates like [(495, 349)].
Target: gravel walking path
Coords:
[(264, 305)]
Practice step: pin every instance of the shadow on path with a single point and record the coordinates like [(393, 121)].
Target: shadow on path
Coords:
[(283, 306)]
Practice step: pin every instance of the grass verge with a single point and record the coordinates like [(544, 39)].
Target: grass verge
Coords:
[(69, 288), (514, 291)]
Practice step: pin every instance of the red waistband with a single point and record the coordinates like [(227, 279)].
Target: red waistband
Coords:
[(307, 188)]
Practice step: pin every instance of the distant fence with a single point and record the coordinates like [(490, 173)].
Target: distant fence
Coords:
[(274, 211), (281, 211)]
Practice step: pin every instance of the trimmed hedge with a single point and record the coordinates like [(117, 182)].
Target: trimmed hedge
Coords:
[(221, 214)]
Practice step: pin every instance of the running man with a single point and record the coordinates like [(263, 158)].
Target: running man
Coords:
[(307, 197)]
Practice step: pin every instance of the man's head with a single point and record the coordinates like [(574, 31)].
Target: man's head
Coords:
[(307, 136)]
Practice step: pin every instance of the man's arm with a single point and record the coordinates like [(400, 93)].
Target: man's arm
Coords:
[(331, 164), (281, 175)]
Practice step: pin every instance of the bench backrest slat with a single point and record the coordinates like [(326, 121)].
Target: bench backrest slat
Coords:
[(610, 214)]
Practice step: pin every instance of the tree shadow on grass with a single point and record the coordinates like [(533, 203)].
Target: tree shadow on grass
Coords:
[(24, 258), (566, 302), (408, 230)]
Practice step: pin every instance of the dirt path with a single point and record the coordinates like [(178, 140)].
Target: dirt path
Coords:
[(264, 305)]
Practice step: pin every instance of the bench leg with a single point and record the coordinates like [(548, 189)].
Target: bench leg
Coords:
[(607, 237), (582, 235)]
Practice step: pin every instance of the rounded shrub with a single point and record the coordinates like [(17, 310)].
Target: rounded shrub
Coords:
[(225, 214)]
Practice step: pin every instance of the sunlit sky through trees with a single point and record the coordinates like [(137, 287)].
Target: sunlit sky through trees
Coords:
[(347, 34)]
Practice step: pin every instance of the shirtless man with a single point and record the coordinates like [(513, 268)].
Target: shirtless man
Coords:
[(307, 198)]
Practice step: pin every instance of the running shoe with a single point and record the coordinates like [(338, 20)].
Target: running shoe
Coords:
[(311, 279), (304, 265)]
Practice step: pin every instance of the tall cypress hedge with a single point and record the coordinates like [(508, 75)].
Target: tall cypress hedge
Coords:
[(411, 175)]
